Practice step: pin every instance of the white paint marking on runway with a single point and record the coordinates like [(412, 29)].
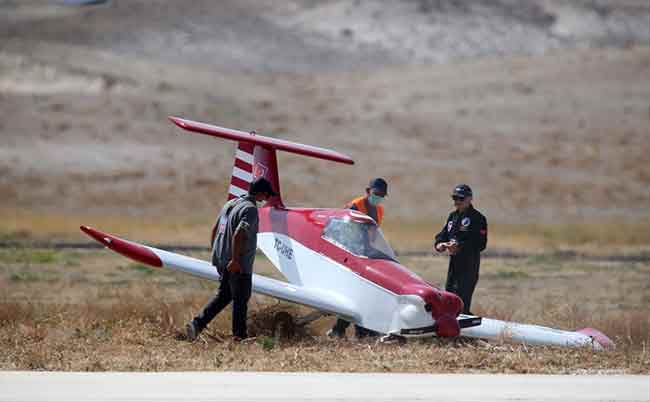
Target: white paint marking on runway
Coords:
[(251, 386)]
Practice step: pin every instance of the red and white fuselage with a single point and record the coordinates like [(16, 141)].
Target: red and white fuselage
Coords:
[(385, 296)]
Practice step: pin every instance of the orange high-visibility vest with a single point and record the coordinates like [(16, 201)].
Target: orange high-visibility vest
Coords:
[(360, 204)]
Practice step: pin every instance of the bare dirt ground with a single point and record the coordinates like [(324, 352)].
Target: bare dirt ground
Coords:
[(95, 311)]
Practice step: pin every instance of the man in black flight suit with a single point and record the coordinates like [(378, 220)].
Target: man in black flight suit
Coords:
[(463, 236)]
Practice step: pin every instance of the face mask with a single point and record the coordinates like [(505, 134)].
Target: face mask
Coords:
[(260, 203), (374, 199)]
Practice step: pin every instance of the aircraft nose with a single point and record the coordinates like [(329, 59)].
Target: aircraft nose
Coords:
[(446, 308), (452, 304), (447, 325), (443, 306)]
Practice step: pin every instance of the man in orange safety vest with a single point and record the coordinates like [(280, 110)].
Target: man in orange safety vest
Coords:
[(369, 204)]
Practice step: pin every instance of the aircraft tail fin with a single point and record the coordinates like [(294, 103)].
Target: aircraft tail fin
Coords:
[(256, 155), (251, 162), (242, 172)]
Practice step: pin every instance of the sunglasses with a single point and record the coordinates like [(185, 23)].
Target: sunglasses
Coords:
[(457, 198)]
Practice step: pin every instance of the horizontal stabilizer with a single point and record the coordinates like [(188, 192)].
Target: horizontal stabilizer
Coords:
[(268, 142)]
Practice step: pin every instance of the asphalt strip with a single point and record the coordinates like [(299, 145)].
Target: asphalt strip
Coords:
[(314, 387)]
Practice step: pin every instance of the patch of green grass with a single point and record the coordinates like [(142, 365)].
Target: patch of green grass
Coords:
[(138, 267), (267, 342), (72, 263), (23, 277), (545, 262), (27, 276), (580, 234), (18, 236), (29, 256), (505, 275), (72, 258), (511, 275)]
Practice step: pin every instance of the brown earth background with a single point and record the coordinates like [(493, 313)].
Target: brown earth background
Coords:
[(543, 107)]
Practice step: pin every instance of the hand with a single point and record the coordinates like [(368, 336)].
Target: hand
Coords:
[(452, 247), (233, 267), (440, 247)]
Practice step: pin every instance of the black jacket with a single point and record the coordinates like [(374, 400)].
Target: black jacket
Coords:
[(469, 229)]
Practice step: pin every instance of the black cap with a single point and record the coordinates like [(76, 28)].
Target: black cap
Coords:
[(462, 190), (379, 184), (261, 185)]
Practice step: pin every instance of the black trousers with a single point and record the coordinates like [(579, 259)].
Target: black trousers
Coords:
[(462, 277), (235, 287)]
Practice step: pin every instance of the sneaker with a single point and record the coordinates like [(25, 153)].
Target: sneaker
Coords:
[(243, 340), (332, 333), (390, 339), (191, 332)]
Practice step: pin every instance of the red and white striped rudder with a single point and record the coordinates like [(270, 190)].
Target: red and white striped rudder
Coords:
[(242, 172)]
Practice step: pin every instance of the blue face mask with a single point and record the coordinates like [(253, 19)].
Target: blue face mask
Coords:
[(374, 199)]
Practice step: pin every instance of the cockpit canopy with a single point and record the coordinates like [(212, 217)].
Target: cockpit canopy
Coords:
[(361, 238)]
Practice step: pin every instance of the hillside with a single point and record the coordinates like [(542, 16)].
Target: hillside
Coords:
[(543, 107)]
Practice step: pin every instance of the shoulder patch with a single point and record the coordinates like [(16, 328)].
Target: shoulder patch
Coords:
[(450, 224), (223, 222)]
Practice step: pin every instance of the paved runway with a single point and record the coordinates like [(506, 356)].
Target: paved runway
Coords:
[(233, 386)]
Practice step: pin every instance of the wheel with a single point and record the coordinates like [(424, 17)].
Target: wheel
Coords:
[(284, 327), (392, 339)]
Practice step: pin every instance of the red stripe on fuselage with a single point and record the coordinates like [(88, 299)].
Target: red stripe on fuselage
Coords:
[(306, 225)]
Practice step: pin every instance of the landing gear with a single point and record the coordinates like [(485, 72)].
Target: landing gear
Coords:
[(309, 318), (284, 327), (392, 339)]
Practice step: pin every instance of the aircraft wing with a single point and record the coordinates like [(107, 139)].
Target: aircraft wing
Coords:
[(537, 335), (320, 299), (334, 303)]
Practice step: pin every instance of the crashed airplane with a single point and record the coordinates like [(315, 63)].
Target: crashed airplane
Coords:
[(338, 262)]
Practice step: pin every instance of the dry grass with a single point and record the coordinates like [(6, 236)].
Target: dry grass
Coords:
[(594, 238), (25, 225), (135, 334), (103, 313)]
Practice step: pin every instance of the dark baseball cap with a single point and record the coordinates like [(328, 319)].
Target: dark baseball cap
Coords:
[(462, 191), (379, 184), (261, 185)]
